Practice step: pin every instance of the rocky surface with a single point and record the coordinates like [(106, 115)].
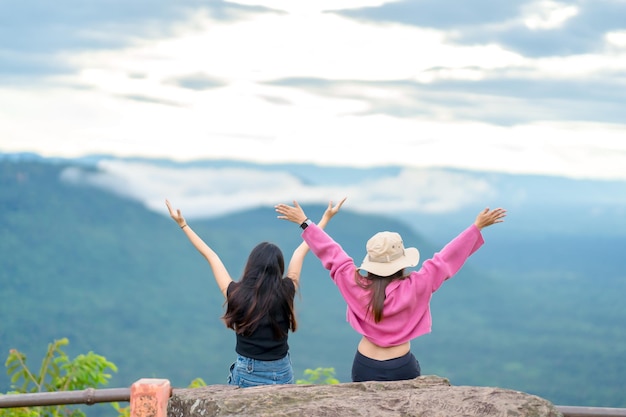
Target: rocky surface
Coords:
[(426, 396)]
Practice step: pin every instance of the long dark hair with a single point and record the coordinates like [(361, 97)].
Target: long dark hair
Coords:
[(377, 286), (261, 292)]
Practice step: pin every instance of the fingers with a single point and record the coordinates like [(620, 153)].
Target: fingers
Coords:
[(488, 217), (499, 215), (499, 212), (287, 212), (496, 215), (495, 212), (169, 207), (284, 210), (335, 208)]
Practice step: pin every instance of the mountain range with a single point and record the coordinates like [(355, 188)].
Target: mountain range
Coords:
[(538, 309)]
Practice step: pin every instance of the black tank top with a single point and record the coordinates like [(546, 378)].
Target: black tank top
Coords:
[(262, 344)]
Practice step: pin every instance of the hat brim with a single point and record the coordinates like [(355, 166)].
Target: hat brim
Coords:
[(384, 269)]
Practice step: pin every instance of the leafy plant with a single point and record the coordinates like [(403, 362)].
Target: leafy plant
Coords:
[(57, 373), (18, 412), (197, 383), (121, 411), (319, 376)]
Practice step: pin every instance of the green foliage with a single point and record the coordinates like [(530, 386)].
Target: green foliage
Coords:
[(57, 373), (121, 411), (18, 412), (319, 376), (197, 383)]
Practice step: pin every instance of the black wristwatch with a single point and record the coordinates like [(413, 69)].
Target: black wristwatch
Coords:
[(305, 224)]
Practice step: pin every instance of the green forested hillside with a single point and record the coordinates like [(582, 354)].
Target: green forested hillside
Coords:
[(124, 282)]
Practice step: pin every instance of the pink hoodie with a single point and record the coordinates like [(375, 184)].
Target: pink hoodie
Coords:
[(406, 312)]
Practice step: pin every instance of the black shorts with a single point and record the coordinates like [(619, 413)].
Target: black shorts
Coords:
[(367, 369)]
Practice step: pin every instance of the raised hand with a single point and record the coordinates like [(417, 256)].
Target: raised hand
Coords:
[(488, 217), (292, 213), (330, 212), (176, 214)]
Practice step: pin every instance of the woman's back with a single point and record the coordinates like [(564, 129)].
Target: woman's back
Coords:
[(267, 338), (406, 312)]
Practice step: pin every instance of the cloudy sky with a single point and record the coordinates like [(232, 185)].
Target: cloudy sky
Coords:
[(515, 86)]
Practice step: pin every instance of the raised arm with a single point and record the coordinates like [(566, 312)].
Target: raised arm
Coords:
[(488, 217), (222, 277), (449, 260), (297, 259)]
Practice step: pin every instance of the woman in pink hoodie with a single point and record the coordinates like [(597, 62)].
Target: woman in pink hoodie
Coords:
[(386, 304)]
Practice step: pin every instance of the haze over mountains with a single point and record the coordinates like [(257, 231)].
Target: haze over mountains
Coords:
[(88, 253)]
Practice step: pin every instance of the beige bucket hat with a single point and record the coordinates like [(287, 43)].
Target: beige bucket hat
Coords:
[(387, 255)]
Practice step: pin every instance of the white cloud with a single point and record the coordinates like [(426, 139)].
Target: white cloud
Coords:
[(123, 101), (298, 7), (547, 14), (210, 192), (273, 46), (616, 39)]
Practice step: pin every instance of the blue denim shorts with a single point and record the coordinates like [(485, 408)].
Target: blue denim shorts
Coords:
[(248, 372)]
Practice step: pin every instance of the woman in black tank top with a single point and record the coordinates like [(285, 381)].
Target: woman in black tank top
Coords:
[(259, 307)]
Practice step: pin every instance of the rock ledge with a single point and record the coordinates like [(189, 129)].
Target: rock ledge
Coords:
[(425, 396)]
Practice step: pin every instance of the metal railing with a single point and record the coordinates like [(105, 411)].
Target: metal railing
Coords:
[(88, 396), (92, 396), (569, 411)]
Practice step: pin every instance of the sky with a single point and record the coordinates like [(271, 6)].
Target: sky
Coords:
[(520, 86)]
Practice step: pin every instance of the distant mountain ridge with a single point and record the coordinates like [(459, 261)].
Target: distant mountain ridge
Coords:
[(550, 205), (529, 311)]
